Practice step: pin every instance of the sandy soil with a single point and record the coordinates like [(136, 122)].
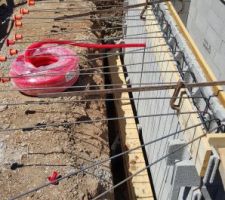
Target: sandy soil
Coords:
[(63, 148)]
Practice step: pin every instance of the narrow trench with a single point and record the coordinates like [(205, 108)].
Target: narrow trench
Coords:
[(117, 166), (6, 10)]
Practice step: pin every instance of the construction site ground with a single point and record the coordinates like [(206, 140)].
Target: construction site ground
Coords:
[(54, 148)]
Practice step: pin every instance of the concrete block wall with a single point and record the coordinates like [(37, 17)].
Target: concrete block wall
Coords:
[(206, 24), (182, 7), (168, 175)]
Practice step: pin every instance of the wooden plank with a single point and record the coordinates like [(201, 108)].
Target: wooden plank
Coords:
[(200, 150), (217, 140), (200, 59), (139, 186)]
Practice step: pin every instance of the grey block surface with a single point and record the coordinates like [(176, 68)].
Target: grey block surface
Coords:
[(177, 155), (206, 24)]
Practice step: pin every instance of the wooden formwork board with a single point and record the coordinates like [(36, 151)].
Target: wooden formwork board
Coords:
[(139, 187), (200, 150)]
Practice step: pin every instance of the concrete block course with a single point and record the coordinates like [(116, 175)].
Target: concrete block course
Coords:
[(170, 175), (200, 22), (218, 8), (185, 174), (177, 156), (214, 41), (207, 28), (213, 20)]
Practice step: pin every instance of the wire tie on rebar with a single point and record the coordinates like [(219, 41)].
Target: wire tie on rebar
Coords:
[(177, 90), (144, 10)]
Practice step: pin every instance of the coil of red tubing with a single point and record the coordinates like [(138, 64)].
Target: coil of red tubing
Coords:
[(45, 67)]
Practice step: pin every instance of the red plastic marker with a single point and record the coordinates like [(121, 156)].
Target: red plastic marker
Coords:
[(10, 42), (18, 36), (13, 52), (3, 58), (24, 11), (53, 178), (31, 2), (4, 80), (18, 23), (18, 17)]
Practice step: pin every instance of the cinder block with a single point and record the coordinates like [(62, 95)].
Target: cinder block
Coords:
[(185, 175), (222, 48), (178, 155), (203, 3), (219, 9), (202, 7), (214, 21), (218, 68), (201, 23), (223, 34), (192, 12), (213, 40)]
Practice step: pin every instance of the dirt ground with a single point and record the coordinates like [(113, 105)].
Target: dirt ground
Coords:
[(62, 148)]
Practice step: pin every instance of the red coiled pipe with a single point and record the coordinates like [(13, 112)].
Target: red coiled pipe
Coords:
[(32, 72)]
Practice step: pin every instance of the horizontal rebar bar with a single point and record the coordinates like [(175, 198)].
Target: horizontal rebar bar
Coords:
[(94, 54), (74, 42), (81, 30), (149, 165), (66, 124), (88, 69), (41, 102), (67, 17), (133, 89), (77, 87)]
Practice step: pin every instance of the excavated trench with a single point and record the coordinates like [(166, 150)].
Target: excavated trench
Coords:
[(29, 156)]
